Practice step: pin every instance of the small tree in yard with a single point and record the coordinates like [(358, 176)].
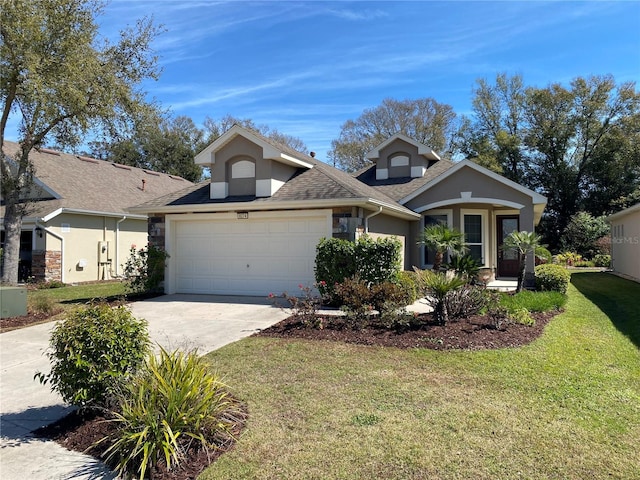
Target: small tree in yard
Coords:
[(442, 239), (525, 243)]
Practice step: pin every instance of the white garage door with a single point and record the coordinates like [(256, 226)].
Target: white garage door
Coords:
[(269, 252)]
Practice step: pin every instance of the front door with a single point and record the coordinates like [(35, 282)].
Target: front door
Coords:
[(508, 261)]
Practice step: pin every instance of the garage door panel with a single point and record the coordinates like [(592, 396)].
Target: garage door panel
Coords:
[(211, 256)]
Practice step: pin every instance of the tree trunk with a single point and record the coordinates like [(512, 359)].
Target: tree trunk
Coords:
[(437, 261), (14, 185), (521, 273), (11, 250)]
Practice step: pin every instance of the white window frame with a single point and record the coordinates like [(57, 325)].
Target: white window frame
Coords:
[(243, 169), (438, 211), (484, 218), (400, 160)]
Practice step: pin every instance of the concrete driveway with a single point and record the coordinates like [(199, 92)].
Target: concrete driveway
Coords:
[(203, 322)]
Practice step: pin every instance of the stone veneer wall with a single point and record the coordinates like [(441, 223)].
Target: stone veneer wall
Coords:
[(46, 265)]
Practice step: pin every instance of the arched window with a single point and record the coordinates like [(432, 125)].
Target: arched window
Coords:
[(400, 160), (243, 169)]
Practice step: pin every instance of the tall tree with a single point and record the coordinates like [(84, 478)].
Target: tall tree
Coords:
[(61, 80), (424, 120), (569, 131), (576, 144), (495, 138), (215, 128), (159, 143)]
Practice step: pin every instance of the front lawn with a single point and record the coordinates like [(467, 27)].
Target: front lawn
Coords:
[(565, 406), (48, 304)]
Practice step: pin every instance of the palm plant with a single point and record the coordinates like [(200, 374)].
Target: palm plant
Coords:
[(438, 286), (524, 242), (442, 239)]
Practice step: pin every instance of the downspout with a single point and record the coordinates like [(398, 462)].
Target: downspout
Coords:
[(59, 237), (366, 219), (118, 242)]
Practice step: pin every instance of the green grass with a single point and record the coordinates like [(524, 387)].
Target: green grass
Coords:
[(534, 301), (565, 407), (64, 298)]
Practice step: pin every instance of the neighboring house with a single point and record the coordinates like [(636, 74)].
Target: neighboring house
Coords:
[(78, 228), (253, 228), (625, 242)]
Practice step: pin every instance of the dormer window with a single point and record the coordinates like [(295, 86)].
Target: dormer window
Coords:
[(241, 177), (400, 161), (243, 169)]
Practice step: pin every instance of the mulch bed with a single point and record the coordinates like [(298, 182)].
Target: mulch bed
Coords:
[(473, 333), (78, 431)]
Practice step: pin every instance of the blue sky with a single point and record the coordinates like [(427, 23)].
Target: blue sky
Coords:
[(307, 67)]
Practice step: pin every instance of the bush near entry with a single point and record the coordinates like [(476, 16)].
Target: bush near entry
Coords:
[(373, 261), (552, 277)]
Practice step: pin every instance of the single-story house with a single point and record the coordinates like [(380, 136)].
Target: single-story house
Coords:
[(78, 228), (625, 242), (253, 227)]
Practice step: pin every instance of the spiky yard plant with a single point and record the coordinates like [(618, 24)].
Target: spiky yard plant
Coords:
[(174, 401), (437, 286), (442, 239), (524, 243)]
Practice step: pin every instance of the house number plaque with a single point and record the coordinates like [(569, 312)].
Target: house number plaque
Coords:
[(243, 215)]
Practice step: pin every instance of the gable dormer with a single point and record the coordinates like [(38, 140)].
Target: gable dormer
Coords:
[(243, 163), (400, 156)]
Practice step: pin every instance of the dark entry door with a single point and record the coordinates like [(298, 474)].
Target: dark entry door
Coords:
[(508, 261)]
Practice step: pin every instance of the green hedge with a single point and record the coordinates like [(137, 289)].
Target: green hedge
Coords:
[(373, 261), (552, 277)]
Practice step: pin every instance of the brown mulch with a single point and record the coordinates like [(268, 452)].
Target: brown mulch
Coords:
[(78, 431), (33, 318), (473, 333)]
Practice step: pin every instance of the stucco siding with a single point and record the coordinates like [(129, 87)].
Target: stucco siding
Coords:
[(625, 244), (383, 226), (81, 236), (468, 182)]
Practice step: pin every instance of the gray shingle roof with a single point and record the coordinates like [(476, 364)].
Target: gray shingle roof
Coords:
[(398, 188), (95, 185)]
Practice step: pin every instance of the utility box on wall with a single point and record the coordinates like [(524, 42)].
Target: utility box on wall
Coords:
[(103, 252), (13, 301)]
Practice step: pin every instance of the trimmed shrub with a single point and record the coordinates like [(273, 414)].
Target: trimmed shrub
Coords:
[(568, 258), (374, 261), (543, 255), (171, 403), (334, 263), (377, 260), (408, 283), (602, 260), (93, 351), (552, 277)]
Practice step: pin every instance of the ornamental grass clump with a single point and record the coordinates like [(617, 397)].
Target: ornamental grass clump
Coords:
[(174, 404)]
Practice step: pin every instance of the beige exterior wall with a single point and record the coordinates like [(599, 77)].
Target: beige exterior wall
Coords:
[(383, 226), (468, 191), (385, 167), (269, 175), (78, 237), (625, 244)]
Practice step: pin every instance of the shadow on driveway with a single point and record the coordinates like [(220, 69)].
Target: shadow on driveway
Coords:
[(617, 297)]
